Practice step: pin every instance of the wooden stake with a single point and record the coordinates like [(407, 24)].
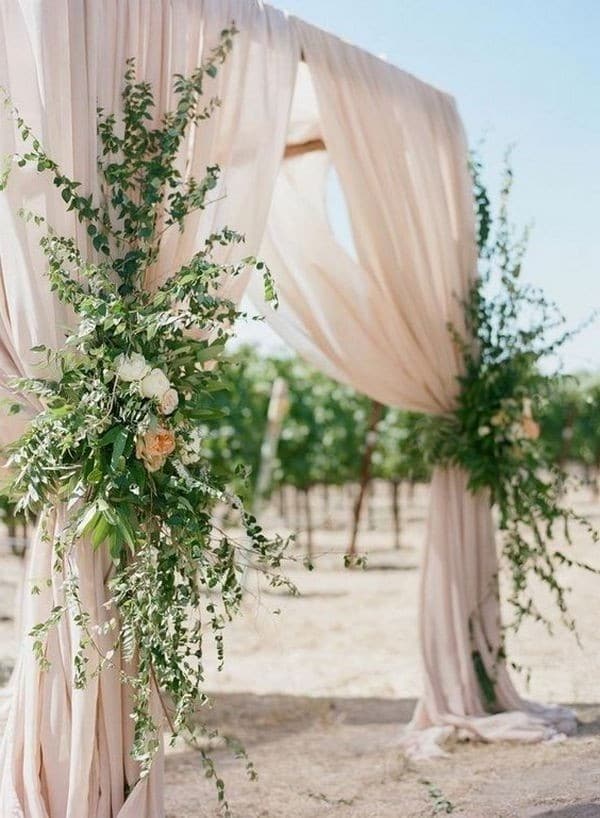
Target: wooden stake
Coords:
[(365, 473), (395, 485)]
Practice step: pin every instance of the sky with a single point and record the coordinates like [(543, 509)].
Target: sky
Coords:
[(524, 73)]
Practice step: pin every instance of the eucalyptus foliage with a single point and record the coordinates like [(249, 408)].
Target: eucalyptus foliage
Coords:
[(120, 437), (512, 330)]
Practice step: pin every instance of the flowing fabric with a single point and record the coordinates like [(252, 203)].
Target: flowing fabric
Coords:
[(65, 752), (380, 323)]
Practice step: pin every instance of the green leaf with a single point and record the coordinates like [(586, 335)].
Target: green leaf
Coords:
[(110, 436), (115, 545), (100, 532), (120, 441), (88, 520)]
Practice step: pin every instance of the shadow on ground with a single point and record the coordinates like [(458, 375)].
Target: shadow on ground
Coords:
[(588, 716), (257, 719), (326, 755), (587, 810)]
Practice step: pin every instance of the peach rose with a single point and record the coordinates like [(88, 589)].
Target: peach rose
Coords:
[(531, 429), (154, 447)]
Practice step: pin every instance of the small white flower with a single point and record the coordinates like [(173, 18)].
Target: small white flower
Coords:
[(190, 451), (516, 432), (169, 402), (155, 384), (132, 367), (483, 431), (499, 419)]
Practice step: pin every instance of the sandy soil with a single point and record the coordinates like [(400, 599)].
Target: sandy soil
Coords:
[(319, 692)]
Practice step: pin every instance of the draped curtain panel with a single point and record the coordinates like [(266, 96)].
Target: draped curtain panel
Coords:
[(380, 323), (65, 752)]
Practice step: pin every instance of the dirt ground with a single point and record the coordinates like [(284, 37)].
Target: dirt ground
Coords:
[(319, 692)]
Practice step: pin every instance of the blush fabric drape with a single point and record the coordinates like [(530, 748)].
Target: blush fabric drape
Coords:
[(65, 752), (380, 323)]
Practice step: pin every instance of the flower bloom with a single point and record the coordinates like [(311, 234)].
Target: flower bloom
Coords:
[(500, 418), (190, 450), (169, 402), (155, 384), (154, 447), (132, 367), (531, 428)]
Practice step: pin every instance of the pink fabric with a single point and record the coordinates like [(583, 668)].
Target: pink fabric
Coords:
[(379, 322), (460, 613), (65, 753)]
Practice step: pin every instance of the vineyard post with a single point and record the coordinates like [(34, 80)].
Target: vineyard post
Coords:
[(278, 409), (365, 472), (309, 524), (371, 509), (395, 486)]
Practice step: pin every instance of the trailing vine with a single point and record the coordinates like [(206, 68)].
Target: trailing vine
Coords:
[(513, 330)]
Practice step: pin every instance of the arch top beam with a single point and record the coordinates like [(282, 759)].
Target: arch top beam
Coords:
[(301, 148)]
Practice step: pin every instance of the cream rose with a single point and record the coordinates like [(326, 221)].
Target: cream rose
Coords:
[(155, 384), (154, 446), (132, 367), (169, 402), (499, 419)]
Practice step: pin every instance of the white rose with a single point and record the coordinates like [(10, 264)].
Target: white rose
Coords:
[(131, 367), (155, 384), (169, 402)]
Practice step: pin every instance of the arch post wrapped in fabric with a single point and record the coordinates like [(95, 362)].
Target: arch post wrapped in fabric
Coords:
[(378, 322)]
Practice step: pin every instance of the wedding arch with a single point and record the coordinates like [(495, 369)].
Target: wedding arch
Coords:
[(295, 100)]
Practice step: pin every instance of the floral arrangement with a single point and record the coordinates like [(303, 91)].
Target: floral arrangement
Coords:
[(120, 437), (493, 434)]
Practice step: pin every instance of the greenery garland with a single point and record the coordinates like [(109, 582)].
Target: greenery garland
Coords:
[(120, 435), (493, 434)]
